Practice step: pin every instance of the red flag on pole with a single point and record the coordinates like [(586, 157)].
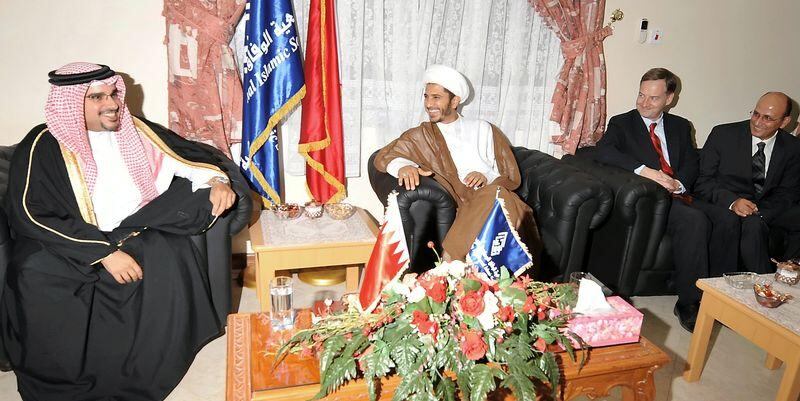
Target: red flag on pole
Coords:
[(389, 257), (321, 142)]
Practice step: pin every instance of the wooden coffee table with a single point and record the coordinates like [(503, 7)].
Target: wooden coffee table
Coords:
[(274, 251), (252, 376), (777, 331)]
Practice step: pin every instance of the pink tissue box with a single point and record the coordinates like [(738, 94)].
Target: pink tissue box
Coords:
[(622, 326)]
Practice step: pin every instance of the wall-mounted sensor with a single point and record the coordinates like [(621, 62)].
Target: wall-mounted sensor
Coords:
[(643, 31)]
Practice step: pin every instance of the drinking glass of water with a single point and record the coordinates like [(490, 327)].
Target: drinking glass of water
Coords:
[(576, 277), (280, 292)]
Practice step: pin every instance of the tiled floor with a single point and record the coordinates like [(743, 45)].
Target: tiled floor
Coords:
[(734, 370)]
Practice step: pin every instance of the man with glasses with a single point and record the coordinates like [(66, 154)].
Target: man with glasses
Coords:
[(657, 145), (750, 172)]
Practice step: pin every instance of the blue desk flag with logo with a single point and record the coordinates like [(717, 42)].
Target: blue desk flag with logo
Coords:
[(273, 86), (498, 246)]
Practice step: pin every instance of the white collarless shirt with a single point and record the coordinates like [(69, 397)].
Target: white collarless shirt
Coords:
[(115, 195)]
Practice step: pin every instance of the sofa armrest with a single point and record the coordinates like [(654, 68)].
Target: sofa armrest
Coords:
[(628, 241), (566, 202), (427, 212)]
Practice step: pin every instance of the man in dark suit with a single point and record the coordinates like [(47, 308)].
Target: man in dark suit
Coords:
[(657, 145), (750, 172)]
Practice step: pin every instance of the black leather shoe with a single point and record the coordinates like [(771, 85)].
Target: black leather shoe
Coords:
[(5, 365), (687, 315)]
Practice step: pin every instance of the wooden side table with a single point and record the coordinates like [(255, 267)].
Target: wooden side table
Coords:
[(252, 376), (775, 330), (309, 253)]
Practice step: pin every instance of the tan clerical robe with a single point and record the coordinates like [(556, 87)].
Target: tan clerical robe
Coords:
[(426, 146)]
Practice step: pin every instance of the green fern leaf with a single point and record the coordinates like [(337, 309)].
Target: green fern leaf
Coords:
[(463, 383), (404, 355), (481, 382), (330, 348), (446, 389), (521, 385), (548, 364)]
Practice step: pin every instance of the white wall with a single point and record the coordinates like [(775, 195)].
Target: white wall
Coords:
[(40, 36), (727, 53)]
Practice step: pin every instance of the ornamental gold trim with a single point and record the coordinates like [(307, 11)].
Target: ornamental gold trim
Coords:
[(25, 200), (79, 187)]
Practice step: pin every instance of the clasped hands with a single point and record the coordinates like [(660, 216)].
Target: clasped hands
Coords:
[(408, 177), (125, 269), (670, 184)]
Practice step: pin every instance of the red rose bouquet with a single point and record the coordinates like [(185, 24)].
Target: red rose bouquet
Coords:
[(449, 319)]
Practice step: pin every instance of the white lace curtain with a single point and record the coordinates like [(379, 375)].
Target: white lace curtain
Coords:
[(503, 47)]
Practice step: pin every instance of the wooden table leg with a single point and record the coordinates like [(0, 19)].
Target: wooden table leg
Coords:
[(696, 359), (644, 387), (352, 278), (771, 362), (264, 275), (789, 389)]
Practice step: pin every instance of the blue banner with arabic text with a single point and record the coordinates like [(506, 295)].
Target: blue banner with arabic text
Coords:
[(273, 86)]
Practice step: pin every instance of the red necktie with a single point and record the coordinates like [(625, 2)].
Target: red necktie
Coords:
[(665, 167)]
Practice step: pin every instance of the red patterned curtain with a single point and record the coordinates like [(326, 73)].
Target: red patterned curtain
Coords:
[(205, 93), (579, 100)]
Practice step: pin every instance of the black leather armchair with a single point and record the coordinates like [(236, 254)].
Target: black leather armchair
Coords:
[(630, 252), (566, 203), (214, 244)]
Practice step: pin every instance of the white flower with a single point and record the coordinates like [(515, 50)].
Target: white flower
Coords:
[(410, 280), (456, 268), (417, 294), (440, 270), (486, 318), (398, 288)]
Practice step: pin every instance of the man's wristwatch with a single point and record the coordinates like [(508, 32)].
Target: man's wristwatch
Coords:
[(219, 180)]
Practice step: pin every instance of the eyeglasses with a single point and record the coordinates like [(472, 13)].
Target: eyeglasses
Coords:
[(767, 119), (101, 97)]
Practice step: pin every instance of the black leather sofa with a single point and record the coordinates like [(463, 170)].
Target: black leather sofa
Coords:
[(566, 202), (214, 244), (630, 251)]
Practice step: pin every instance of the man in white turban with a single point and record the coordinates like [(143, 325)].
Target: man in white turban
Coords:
[(469, 157)]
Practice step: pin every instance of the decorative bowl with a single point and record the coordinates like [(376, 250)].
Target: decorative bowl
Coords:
[(313, 209), (787, 272), (339, 211), (288, 211), (768, 297), (739, 280)]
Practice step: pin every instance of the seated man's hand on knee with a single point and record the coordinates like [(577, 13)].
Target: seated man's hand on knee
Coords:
[(475, 180), (744, 207), (122, 267)]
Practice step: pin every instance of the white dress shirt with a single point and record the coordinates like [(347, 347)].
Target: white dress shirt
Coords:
[(115, 195), (664, 149), (471, 145)]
